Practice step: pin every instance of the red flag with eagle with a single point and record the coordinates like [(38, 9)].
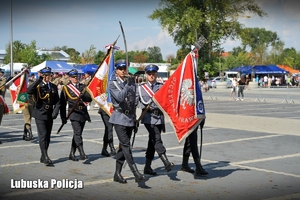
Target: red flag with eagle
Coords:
[(181, 99), (18, 90), (98, 87)]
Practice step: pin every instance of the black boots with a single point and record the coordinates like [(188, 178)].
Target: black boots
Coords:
[(138, 176), (30, 136), (168, 165), (45, 159), (185, 165), (72, 154), (104, 151), (112, 149), (199, 169), (82, 154), (118, 177), (148, 169)]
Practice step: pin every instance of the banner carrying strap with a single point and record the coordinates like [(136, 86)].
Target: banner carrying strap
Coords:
[(76, 91)]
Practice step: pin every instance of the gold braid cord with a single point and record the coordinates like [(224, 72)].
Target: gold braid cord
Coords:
[(39, 93), (68, 94)]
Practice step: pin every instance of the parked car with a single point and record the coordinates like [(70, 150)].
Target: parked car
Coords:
[(213, 82)]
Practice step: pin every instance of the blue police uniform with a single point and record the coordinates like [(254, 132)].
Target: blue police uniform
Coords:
[(154, 122), (123, 118), (45, 110), (79, 116)]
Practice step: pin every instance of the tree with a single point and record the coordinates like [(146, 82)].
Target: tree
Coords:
[(88, 57), (24, 53), (215, 20), (99, 57), (154, 55)]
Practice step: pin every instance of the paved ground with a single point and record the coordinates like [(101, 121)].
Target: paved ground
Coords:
[(250, 149)]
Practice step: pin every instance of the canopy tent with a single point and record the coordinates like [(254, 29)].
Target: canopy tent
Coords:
[(89, 68), (16, 67), (289, 69), (55, 66), (135, 71), (260, 69)]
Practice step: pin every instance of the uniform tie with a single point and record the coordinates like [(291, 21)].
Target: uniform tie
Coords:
[(49, 85), (152, 86)]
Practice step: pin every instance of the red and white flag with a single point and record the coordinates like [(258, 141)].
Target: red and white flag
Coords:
[(18, 87), (181, 99), (98, 87)]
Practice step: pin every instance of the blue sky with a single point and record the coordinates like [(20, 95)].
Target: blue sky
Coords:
[(80, 24)]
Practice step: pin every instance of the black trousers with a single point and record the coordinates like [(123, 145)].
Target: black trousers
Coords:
[(77, 133), (44, 128), (154, 141), (124, 135), (190, 145), (108, 132)]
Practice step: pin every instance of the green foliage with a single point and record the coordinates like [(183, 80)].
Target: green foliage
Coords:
[(23, 53), (154, 55)]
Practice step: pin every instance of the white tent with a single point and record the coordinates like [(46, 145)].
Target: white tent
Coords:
[(55, 66), (16, 67)]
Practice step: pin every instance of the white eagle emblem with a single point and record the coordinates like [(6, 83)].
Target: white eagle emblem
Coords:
[(186, 94)]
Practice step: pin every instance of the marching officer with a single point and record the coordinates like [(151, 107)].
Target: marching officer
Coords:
[(190, 145), (108, 135), (123, 118), (153, 119), (69, 95), (45, 110)]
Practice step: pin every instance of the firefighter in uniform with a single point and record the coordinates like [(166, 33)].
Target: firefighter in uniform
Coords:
[(123, 118), (69, 95), (190, 145), (153, 119), (45, 110)]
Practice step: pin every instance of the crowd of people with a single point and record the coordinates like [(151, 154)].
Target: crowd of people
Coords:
[(63, 94)]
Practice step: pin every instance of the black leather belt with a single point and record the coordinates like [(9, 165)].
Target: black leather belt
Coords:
[(126, 112), (154, 111)]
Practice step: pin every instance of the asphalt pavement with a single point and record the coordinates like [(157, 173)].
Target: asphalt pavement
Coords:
[(250, 149)]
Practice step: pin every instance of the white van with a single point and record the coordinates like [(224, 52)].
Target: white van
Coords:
[(231, 74)]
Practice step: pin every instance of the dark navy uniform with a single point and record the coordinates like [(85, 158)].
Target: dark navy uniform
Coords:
[(123, 118), (190, 145), (108, 134), (153, 120), (45, 110), (79, 116)]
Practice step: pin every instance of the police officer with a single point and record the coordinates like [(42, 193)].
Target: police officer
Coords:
[(45, 110), (27, 114), (153, 119), (190, 145), (123, 118), (108, 135), (69, 95)]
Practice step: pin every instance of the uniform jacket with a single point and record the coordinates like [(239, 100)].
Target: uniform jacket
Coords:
[(154, 115), (123, 98), (67, 96), (46, 100), (2, 83)]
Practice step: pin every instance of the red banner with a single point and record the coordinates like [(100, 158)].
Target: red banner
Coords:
[(98, 86), (181, 99)]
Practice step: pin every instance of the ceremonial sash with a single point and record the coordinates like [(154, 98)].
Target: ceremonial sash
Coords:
[(6, 109), (148, 90), (76, 91)]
